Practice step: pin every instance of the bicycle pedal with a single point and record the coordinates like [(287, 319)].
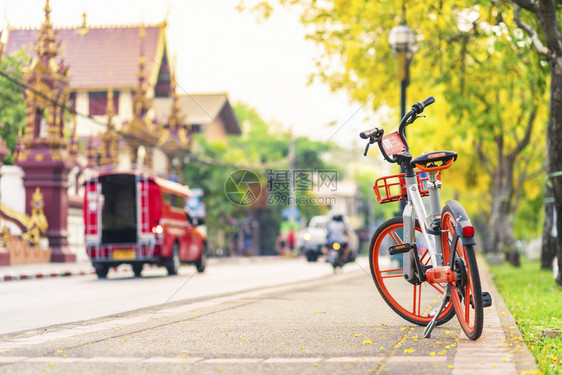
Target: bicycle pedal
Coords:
[(399, 249), (486, 299)]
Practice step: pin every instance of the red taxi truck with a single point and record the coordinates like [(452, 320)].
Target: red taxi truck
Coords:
[(137, 219)]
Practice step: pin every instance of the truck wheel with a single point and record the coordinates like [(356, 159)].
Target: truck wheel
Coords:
[(172, 264), (201, 263), (137, 269), (101, 270)]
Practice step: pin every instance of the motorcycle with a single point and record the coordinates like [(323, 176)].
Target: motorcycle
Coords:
[(336, 255)]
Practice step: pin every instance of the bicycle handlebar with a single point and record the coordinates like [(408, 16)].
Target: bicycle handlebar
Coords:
[(375, 134), (369, 133)]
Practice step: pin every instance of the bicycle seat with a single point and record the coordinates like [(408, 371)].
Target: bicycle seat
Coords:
[(429, 162)]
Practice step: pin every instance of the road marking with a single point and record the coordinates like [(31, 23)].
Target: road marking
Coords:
[(353, 359), (413, 358), (292, 360), (232, 360), (11, 359), (199, 360), (171, 360)]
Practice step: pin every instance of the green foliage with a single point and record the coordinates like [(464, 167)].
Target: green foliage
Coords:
[(473, 59), (535, 303), (260, 147), (12, 106)]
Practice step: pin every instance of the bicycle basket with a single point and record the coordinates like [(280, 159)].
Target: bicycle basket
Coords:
[(393, 188)]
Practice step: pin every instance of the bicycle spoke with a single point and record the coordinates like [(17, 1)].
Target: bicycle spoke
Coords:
[(412, 305), (423, 256), (391, 276), (396, 269), (417, 299), (395, 237)]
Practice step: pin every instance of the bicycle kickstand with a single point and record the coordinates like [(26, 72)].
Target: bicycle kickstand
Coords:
[(444, 300)]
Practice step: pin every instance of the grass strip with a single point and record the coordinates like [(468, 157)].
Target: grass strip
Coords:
[(535, 301)]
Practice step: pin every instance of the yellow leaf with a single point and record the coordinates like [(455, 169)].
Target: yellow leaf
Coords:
[(367, 342)]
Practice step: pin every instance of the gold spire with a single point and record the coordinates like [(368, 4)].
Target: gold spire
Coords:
[(46, 47), (140, 102), (83, 29), (175, 137), (176, 118), (73, 144), (48, 78), (109, 149)]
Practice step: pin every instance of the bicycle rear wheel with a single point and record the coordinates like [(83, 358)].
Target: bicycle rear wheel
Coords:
[(415, 303), (467, 292)]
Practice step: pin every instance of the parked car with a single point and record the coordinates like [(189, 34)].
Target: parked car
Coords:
[(134, 218)]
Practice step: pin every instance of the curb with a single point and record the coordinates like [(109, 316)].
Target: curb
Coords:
[(46, 274), (42, 275), (501, 349)]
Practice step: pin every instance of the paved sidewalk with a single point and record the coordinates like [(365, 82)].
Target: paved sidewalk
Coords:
[(331, 325)]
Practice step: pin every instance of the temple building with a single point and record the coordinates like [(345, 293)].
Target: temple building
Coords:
[(133, 63), (124, 112)]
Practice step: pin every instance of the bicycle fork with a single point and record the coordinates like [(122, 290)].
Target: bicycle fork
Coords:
[(413, 270)]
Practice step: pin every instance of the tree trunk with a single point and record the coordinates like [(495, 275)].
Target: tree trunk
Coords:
[(559, 246), (554, 152), (503, 240), (548, 251)]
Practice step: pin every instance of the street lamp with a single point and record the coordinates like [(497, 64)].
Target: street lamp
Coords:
[(402, 40)]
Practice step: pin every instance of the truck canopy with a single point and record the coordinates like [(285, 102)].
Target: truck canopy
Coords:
[(119, 209)]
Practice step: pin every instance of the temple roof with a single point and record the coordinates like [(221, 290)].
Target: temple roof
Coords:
[(104, 57), (201, 109)]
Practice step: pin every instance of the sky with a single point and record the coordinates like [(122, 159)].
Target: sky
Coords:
[(220, 49)]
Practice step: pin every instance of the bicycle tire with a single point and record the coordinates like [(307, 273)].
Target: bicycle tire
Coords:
[(391, 284), (462, 260)]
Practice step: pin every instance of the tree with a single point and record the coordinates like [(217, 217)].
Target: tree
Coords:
[(489, 90), (261, 146), (12, 106), (544, 26)]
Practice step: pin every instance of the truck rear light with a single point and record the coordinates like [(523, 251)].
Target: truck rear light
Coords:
[(157, 229), (468, 231)]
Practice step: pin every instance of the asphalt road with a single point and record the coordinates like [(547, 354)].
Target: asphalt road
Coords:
[(38, 303), (328, 324)]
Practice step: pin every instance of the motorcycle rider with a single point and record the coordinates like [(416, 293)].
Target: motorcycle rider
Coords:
[(338, 232)]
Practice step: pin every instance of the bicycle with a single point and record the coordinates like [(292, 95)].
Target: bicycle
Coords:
[(437, 250)]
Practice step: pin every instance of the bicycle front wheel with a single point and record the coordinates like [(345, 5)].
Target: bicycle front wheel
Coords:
[(414, 302), (467, 292)]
